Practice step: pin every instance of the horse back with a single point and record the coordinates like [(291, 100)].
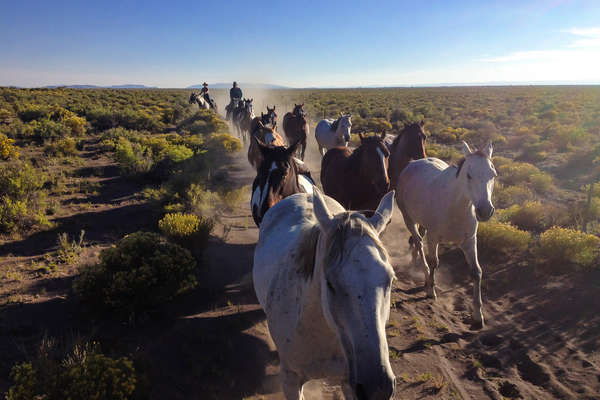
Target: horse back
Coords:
[(334, 173)]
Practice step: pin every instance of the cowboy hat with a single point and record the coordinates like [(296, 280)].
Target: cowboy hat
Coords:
[(205, 84)]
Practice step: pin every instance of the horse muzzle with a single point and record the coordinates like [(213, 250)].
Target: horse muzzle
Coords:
[(484, 213)]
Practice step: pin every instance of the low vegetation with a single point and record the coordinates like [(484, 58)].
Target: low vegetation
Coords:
[(82, 374), (141, 272)]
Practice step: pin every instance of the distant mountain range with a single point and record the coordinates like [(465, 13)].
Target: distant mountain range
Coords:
[(223, 85), (127, 86)]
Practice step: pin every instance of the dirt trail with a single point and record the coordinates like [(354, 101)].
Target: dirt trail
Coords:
[(541, 338)]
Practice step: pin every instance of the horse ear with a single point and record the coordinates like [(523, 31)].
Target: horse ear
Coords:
[(383, 134), (466, 148), (422, 123), (361, 136), (383, 215), (341, 114), (489, 149), (321, 212), (262, 114), (274, 107)]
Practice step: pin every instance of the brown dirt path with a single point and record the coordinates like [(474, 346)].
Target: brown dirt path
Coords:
[(541, 338)]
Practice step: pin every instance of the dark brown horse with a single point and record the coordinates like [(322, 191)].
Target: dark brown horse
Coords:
[(270, 118), (295, 127), (265, 135), (407, 146), (357, 179), (279, 175)]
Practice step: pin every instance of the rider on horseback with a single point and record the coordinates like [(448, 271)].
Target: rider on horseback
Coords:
[(235, 92), (235, 95), (204, 93)]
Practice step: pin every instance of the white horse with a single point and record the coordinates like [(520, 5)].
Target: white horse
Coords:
[(333, 133), (448, 201), (324, 279)]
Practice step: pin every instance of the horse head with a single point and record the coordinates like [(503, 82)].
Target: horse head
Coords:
[(271, 116), (344, 126), (373, 156), (276, 178), (413, 138), (476, 172), (298, 110), (192, 97), (248, 106), (356, 277)]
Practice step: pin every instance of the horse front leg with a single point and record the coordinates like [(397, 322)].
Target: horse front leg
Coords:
[(469, 248), (292, 384), (303, 149)]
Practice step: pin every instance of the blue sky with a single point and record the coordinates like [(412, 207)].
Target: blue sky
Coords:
[(299, 43)]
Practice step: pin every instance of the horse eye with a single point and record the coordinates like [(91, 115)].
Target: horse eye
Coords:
[(468, 176)]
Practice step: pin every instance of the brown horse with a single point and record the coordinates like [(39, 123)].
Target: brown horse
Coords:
[(407, 146), (295, 127), (357, 179), (279, 175), (265, 135)]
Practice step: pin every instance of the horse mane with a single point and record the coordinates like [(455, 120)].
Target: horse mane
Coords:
[(461, 162), (347, 224)]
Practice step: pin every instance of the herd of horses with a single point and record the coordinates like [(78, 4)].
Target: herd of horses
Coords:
[(321, 273)]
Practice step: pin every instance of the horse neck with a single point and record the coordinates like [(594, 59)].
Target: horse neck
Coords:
[(456, 188), (399, 159)]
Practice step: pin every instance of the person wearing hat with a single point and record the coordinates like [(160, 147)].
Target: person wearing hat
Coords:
[(204, 93)]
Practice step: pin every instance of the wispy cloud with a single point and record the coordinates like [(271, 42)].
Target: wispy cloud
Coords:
[(588, 40)]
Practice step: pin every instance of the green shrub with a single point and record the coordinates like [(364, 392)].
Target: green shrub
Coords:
[(22, 198), (33, 112), (188, 230), (133, 158), (531, 216), (502, 237), (7, 149), (141, 272), (75, 124), (568, 246), (64, 147), (506, 196), (541, 182), (82, 375), (516, 173)]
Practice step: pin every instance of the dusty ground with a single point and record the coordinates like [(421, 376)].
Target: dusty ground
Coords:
[(541, 338)]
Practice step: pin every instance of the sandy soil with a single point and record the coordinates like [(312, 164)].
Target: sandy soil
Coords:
[(541, 338)]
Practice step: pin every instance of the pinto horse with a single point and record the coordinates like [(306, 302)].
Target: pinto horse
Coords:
[(264, 134), (324, 280), (448, 202), (202, 103), (295, 127), (408, 145), (279, 175), (358, 178)]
